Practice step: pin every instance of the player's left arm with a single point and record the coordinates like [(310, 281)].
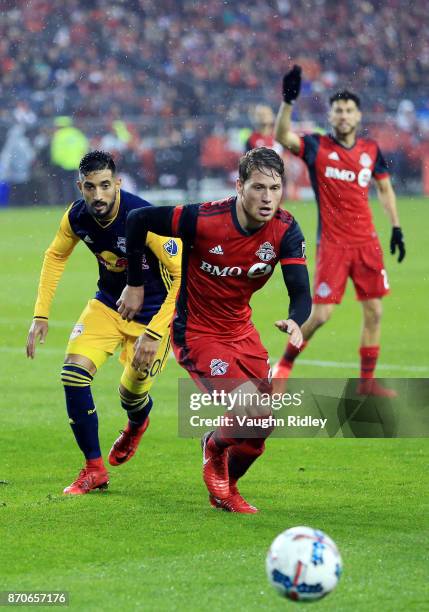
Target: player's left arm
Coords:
[(168, 251), (295, 275), (177, 221), (169, 254), (387, 197)]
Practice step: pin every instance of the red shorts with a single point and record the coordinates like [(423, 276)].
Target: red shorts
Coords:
[(223, 362), (363, 264)]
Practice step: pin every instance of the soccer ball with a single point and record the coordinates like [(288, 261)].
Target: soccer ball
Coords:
[(303, 564)]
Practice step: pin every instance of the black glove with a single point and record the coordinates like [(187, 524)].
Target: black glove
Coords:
[(292, 84), (397, 240)]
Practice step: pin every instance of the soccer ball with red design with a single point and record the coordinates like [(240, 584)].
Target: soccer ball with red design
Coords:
[(303, 564)]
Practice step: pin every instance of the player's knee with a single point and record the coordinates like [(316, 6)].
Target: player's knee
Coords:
[(75, 375), (81, 361), (133, 403), (373, 312)]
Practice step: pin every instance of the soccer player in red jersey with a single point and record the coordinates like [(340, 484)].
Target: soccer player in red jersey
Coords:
[(341, 167), (263, 136), (230, 250)]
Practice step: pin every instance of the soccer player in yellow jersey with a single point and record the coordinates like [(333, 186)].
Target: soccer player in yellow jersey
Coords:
[(98, 219)]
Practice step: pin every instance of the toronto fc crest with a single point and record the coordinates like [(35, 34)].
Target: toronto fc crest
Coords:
[(266, 252)]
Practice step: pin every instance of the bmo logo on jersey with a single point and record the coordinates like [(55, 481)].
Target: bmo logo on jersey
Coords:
[(218, 271), (363, 178), (257, 270)]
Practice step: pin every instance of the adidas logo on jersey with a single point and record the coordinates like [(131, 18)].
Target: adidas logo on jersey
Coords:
[(88, 240), (217, 250), (334, 155)]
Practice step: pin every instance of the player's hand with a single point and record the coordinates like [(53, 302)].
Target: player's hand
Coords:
[(38, 331), (130, 302), (293, 329), (397, 240), (145, 349), (292, 84)]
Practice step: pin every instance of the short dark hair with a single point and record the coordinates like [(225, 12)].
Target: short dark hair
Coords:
[(96, 160), (259, 159), (345, 94)]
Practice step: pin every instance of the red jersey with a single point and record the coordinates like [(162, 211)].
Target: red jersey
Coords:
[(256, 140), (223, 265), (340, 178)]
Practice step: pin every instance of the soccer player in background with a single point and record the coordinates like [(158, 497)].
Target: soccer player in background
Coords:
[(98, 220), (263, 134), (230, 248), (341, 167)]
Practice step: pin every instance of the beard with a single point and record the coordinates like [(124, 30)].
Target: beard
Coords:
[(102, 213)]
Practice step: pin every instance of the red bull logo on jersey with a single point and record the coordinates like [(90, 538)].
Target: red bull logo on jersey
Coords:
[(363, 178), (112, 262)]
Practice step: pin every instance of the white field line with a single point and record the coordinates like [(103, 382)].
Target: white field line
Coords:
[(305, 362), (351, 364)]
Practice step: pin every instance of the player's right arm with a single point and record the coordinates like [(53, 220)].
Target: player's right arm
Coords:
[(52, 269), (176, 221), (282, 130), (295, 275)]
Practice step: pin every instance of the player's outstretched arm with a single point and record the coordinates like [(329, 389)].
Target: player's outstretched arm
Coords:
[(54, 262), (290, 92), (298, 286), (38, 331), (387, 197)]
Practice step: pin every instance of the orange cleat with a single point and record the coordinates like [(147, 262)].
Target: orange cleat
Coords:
[(280, 373), (126, 445), (215, 467), (234, 503), (88, 480)]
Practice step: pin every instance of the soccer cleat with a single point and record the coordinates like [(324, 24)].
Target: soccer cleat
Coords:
[(282, 370), (88, 480), (370, 386), (233, 503), (215, 467), (126, 445), (280, 373)]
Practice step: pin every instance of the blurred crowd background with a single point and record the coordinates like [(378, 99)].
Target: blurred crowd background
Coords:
[(171, 86)]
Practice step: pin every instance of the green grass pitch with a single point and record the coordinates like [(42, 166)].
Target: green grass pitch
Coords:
[(152, 542)]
